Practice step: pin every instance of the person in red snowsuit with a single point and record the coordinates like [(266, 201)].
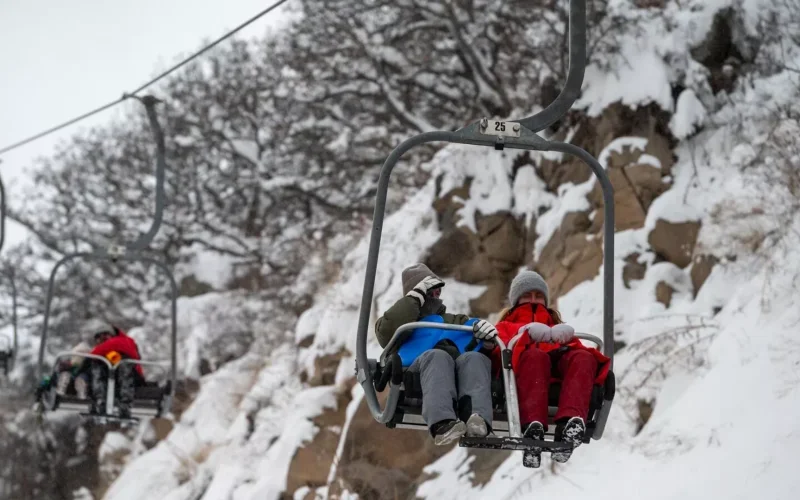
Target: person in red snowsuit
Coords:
[(114, 345), (548, 351)]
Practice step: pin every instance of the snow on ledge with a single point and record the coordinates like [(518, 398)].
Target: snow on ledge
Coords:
[(689, 115), (618, 146)]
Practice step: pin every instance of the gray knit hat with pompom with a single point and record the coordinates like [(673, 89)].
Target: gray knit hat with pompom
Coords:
[(527, 281)]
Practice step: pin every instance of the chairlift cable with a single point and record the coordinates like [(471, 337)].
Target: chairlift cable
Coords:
[(126, 95)]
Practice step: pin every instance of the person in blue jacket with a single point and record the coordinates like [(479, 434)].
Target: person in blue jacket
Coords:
[(455, 376)]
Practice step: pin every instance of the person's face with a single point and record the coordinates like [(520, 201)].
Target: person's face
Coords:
[(532, 297), (435, 293), (101, 337)]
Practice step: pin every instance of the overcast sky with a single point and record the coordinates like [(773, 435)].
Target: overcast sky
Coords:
[(61, 58)]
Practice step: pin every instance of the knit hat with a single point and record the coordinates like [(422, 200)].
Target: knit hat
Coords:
[(527, 281), (413, 275), (96, 326)]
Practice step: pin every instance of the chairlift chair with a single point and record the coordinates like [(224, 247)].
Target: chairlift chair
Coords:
[(404, 403), (152, 399)]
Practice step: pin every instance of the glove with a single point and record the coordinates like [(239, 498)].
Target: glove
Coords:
[(43, 386), (114, 357), (562, 333), (538, 332), (420, 291), (485, 331)]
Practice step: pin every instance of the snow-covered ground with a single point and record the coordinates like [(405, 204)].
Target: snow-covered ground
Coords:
[(723, 423)]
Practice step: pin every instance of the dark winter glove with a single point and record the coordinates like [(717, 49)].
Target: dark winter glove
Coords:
[(420, 291), (43, 386), (485, 331)]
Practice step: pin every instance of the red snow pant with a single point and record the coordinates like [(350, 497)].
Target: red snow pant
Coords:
[(577, 370)]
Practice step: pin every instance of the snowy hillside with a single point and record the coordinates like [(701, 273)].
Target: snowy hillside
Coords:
[(706, 287), (724, 380)]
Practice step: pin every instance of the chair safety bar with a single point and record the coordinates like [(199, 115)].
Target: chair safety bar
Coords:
[(424, 324), (582, 336), (69, 354), (159, 364), (111, 385), (519, 134), (591, 338)]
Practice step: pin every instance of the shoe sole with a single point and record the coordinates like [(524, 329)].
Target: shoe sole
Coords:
[(532, 459), (573, 434), (454, 434), (476, 426)]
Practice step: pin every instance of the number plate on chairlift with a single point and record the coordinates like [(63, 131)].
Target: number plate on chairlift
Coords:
[(116, 250), (506, 129)]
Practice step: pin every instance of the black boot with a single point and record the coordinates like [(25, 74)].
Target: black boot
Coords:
[(126, 383), (533, 458), (571, 431), (98, 389)]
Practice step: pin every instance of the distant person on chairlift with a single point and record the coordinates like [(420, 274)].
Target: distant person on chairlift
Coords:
[(114, 345), (73, 369), (548, 352), (451, 376)]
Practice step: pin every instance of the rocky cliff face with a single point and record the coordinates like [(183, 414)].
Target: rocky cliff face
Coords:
[(380, 463)]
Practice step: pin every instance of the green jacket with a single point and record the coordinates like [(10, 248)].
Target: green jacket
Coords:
[(407, 310)]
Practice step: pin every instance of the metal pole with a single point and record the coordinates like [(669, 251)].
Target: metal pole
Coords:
[(47, 306), (2, 213), (14, 315), (577, 66), (608, 241), (145, 239)]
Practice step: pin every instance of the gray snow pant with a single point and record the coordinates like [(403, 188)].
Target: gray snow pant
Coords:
[(462, 385)]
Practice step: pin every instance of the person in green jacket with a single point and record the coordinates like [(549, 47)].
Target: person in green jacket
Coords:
[(450, 379)]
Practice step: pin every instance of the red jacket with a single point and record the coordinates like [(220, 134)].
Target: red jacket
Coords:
[(124, 345), (529, 313)]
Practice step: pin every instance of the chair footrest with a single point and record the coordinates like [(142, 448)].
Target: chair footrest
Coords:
[(100, 418), (512, 443)]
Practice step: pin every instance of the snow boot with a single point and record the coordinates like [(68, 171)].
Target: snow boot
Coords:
[(476, 426), (447, 431), (124, 412), (81, 388), (533, 458), (64, 378), (570, 432)]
